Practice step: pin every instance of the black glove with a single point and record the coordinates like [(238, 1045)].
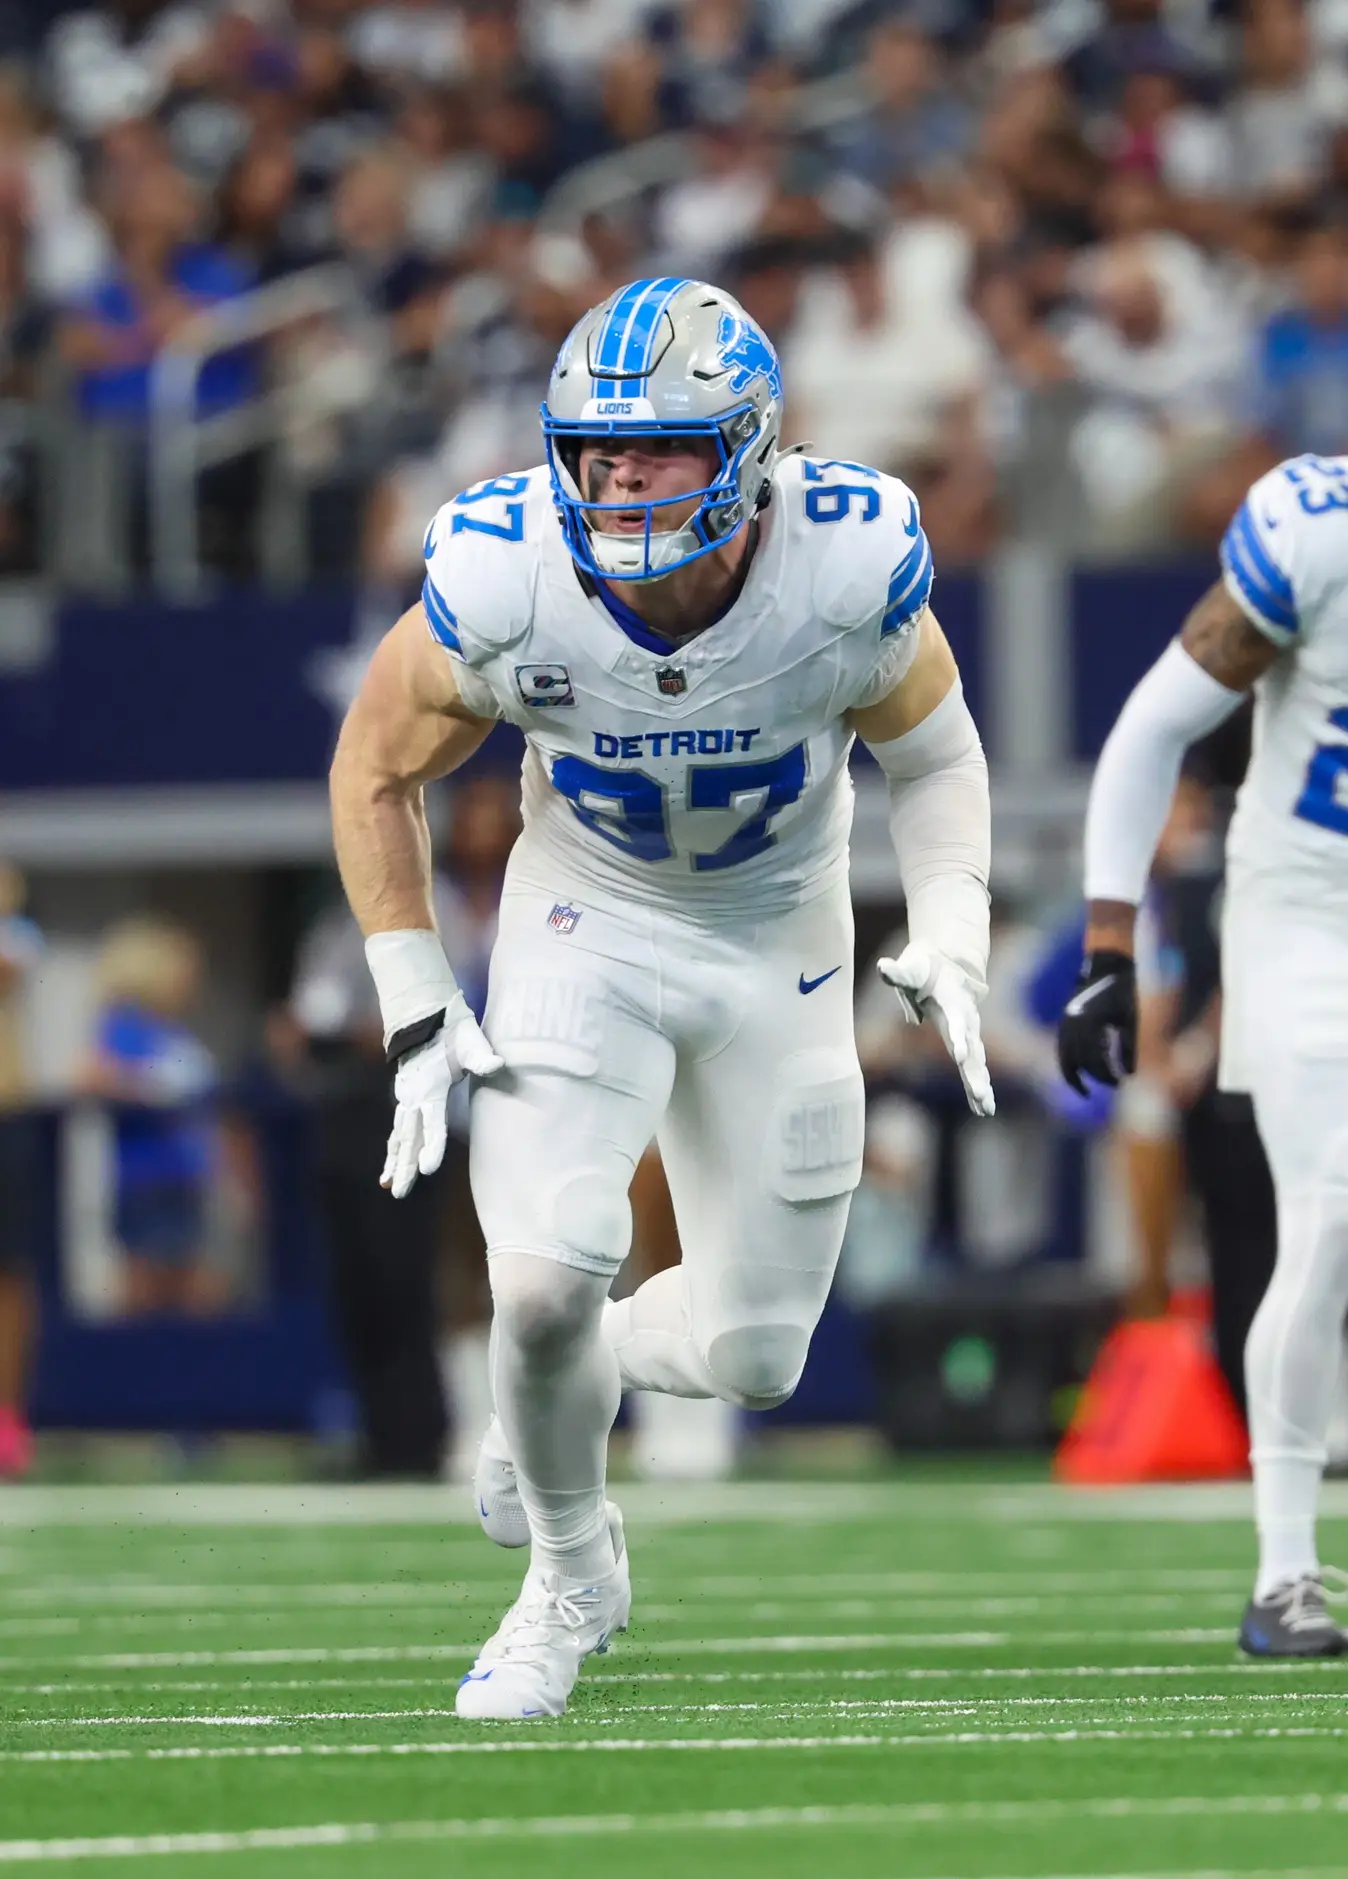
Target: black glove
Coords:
[(1097, 1033)]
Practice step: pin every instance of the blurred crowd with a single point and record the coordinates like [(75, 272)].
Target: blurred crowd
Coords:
[(1104, 237)]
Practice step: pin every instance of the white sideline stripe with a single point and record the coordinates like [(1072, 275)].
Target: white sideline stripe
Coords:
[(664, 1647), (67, 1591), (1312, 1667), (761, 1611), (645, 1504), (792, 1706), (764, 1611), (639, 1745), (764, 1819)]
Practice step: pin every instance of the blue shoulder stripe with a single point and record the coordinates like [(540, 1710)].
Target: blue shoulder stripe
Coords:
[(442, 622), (1263, 583), (909, 587)]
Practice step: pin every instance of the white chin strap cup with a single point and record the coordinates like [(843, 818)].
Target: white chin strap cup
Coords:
[(627, 557)]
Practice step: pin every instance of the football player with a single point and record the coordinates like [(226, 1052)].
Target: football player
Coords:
[(690, 628), (1277, 622)]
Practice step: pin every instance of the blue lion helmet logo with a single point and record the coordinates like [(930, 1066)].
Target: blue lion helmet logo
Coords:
[(747, 355)]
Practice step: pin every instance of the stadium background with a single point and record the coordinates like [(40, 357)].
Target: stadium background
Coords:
[(277, 279)]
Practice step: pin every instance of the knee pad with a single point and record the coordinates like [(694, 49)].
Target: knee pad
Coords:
[(540, 1307), (812, 1149), (757, 1366)]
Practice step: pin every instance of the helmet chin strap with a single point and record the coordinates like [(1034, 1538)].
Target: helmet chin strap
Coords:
[(637, 557)]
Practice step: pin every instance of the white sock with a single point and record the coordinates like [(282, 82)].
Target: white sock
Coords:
[(650, 1335), (557, 1391), (465, 1371), (1286, 1489)]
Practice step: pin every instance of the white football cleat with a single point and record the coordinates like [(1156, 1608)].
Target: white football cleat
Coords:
[(528, 1668), (496, 1493)]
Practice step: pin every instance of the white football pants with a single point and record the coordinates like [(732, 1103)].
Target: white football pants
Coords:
[(1289, 969), (733, 1044)]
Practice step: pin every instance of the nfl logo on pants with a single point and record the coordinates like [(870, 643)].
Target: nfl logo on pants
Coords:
[(563, 919), (671, 680)]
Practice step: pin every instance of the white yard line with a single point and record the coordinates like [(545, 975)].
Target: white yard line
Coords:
[(760, 1611), (784, 1707), (242, 1686), (763, 1819), (771, 1503), (784, 1645), (67, 1591), (637, 1745)]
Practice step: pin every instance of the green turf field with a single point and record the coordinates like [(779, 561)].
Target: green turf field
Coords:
[(821, 1681)]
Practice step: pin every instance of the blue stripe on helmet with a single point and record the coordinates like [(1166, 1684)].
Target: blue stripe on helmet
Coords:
[(628, 333), (636, 354), (606, 353)]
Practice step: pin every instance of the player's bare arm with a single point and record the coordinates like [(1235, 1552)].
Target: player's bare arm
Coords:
[(406, 727), (924, 739), (1196, 684), (927, 681), (1220, 639)]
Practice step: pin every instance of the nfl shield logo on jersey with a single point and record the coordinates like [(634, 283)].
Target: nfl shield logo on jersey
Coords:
[(671, 680), (563, 919), (545, 684)]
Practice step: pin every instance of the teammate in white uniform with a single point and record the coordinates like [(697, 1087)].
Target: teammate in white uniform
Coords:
[(1277, 622), (689, 630)]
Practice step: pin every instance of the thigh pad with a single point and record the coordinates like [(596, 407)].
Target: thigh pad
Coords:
[(812, 1150)]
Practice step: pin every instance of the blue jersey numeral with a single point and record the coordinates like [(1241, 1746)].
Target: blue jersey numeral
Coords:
[(1324, 796), (628, 808), (1320, 485), (830, 502), (760, 789), (512, 529)]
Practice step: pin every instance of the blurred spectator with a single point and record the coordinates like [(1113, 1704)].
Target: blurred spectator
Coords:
[(708, 50), (916, 125), (570, 42), (1159, 373), (1298, 393), (67, 245), (1301, 388), (451, 180), (1282, 118), (163, 273), (1180, 1134), (484, 820), (421, 40), (883, 348), (20, 948), (507, 323), (119, 61), (385, 1255), (719, 206), (259, 227), (160, 1078)]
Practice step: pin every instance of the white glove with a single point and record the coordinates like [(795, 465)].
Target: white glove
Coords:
[(931, 986), (421, 1086)]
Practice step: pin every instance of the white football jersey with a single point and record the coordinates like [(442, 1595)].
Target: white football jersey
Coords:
[(1285, 561), (712, 775)]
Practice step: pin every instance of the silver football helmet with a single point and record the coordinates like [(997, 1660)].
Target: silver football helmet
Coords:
[(664, 357)]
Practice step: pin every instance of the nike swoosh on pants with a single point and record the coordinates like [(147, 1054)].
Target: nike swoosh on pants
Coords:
[(810, 985)]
